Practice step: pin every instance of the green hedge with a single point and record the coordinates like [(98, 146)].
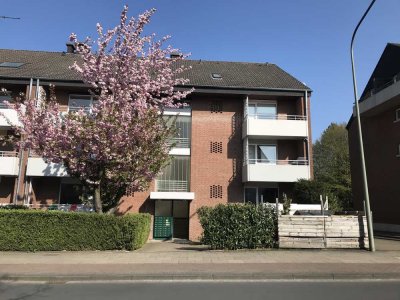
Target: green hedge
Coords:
[(29, 230), (236, 226)]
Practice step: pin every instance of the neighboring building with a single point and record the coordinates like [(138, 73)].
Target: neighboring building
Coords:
[(245, 137), (380, 119)]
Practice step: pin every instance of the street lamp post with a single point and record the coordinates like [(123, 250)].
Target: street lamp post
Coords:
[(360, 139)]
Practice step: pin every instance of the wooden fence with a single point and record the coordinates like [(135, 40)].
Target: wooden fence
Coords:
[(322, 232)]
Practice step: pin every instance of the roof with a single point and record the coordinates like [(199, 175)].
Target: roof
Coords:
[(54, 66), (387, 67)]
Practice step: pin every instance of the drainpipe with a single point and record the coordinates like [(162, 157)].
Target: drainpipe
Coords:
[(21, 152), (308, 134)]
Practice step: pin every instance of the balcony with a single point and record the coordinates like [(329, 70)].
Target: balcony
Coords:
[(256, 170), (172, 190), (8, 114), (9, 163), (275, 126), (38, 167)]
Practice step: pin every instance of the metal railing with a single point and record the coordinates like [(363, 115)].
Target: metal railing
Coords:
[(172, 186), (86, 109), (8, 153), (263, 116), (180, 142), (60, 207), (294, 162), (381, 87), (4, 106)]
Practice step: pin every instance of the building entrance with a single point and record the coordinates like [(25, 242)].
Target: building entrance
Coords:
[(171, 219)]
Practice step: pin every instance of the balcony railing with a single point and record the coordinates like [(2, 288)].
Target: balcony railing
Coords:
[(296, 162), (381, 87), (8, 153), (172, 186), (275, 170), (264, 116), (179, 142), (85, 109)]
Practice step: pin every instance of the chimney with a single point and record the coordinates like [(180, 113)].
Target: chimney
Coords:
[(70, 47)]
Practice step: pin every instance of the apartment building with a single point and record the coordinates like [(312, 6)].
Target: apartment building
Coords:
[(245, 137), (380, 119)]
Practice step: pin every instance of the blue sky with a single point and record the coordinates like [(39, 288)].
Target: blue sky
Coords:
[(307, 38)]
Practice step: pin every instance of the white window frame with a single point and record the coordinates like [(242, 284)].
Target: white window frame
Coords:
[(91, 100), (263, 144), (262, 102)]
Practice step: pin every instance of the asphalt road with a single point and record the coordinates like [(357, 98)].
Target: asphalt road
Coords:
[(194, 290)]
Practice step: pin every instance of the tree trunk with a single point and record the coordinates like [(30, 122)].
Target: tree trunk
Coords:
[(98, 206)]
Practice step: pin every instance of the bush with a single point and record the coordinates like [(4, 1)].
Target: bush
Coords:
[(309, 191), (237, 226), (28, 230)]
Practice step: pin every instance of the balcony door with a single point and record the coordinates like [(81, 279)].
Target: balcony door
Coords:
[(259, 110), (265, 154)]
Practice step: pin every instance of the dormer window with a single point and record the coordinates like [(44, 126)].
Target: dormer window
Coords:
[(8, 64), (216, 76)]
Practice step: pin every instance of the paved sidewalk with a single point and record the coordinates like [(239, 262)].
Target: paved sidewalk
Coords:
[(171, 260)]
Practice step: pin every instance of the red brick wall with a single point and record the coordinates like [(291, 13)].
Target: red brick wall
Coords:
[(207, 168)]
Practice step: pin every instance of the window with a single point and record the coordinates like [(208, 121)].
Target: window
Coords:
[(397, 117), (250, 195), (176, 176), (7, 64), (260, 195), (78, 102), (265, 154), (259, 110), (3, 99), (216, 76), (398, 151)]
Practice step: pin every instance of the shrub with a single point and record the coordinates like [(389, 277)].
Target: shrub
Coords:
[(236, 226), (28, 230)]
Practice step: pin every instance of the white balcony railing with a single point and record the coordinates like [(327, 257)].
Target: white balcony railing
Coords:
[(172, 186), (275, 170), (276, 117), (297, 162), (9, 163), (275, 126)]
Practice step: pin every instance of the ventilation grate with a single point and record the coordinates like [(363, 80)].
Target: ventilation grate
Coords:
[(215, 191), (215, 147)]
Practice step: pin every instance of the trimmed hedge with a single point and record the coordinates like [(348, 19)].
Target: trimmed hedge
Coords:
[(237, 226), (29, 230)]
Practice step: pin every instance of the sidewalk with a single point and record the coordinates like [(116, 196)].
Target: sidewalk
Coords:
[(172, 260)]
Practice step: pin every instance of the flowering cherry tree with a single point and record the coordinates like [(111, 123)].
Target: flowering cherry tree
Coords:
[(122, 143)]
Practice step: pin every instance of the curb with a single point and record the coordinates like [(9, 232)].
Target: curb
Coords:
[(208, 277)]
